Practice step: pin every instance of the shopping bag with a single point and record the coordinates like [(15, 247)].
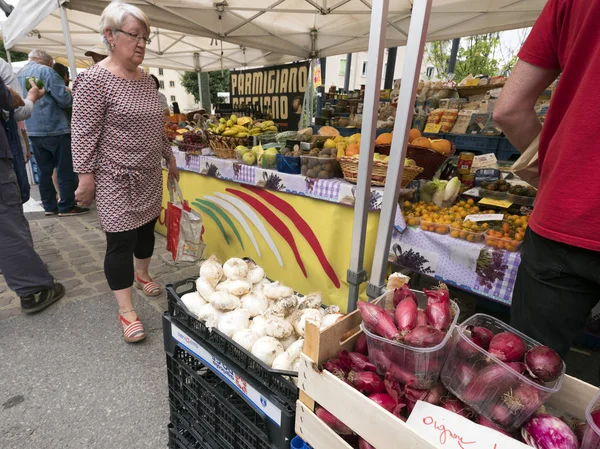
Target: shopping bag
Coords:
[(184, 228), (526, 167)]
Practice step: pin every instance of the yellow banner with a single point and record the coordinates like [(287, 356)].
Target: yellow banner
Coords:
[(300, 241)]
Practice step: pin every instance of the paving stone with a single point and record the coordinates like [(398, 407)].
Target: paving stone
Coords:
[(83, 260), (63, 274), (95, 277), (78, 253), (102, 287), (89, 268), (51, 257), (80, 292), (57, 265), (7, 298), (7, 313), (72, 247), (72, 283)]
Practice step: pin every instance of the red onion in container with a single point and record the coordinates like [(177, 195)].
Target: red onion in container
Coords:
[(353, 361), (406, 316), (422, 318), (548, 432), (482, 336), (507, 347), (362, 444), (544, 363), (493, 380), (402, 293), (384, 400), (483, 421), (377, 320), (366, 382), (360, 345), (438, 308), (424, 337), (455, 405), (335, 424)]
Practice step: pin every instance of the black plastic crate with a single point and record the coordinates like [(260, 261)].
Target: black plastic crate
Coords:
[(185, 435), (274, 380), (220, 399)]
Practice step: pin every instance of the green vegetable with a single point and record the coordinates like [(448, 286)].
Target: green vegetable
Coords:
[(38, 82), (438, 196)]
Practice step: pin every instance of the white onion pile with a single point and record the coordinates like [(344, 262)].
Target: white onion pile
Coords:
[(265, 318)]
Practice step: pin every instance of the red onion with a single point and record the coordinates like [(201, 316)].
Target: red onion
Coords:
[(544, 363), (501, 415), (406, 316), (483, 421), (440, 294), (491, 381), (424, 337), (410, 405), (392, 315), (335, 367), (403, 293), (548, 432), (360, 345), (392, 387), (366, 382), (468, 350), (422, 318), (335, 424), (464, 372), (438, 308), (384, 400), (362, 444), (353, 361), (596, 417), (456, 406), (579, 429), (402, 375), (517, 366), (507, 347), (523, 399), (482, 336), (377, 320), (433, 396)]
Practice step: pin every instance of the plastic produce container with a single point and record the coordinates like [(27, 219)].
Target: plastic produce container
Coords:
[(419, 367), (435, 227), (288, 164), (320, 167), (520, 199), (494, 194), (502, 243), (591, 438), (469, 236), (498, 399)]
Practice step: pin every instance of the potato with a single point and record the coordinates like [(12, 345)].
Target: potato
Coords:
[(324, 175)]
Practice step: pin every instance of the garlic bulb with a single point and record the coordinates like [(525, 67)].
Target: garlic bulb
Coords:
[(278, 327), (204, 288), (193, 301), (311, 301), (255, 303), (209, 315), (231, 322), (223, 286), (256, 274), (235, 269), (330, 319), (288, 341), (309, 314), (211, 270), (260, 286), (275, 291), (239, 287), (259, 326), (284, 306), (245, 338), (295, 349), (224, 301), (283, 362), (266, 349)]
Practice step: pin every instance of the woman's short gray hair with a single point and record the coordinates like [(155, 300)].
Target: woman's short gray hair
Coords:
[(115, 14)]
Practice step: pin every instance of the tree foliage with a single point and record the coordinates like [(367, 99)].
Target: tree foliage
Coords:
[(15, 56), (477, 55), (218, 82)]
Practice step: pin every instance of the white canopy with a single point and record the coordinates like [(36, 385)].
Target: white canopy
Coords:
[(37, 24), (309, 28)]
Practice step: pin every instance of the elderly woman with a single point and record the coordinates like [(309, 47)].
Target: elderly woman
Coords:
[(118, 144)]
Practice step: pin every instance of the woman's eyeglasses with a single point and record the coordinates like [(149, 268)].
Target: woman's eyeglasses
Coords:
[(136, 37)]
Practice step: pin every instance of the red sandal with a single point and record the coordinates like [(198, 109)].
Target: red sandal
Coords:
[(133, 331), (149, 288)]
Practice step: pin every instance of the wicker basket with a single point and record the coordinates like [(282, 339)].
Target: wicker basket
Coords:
[(350, 170), (430, 160), (224, 146)]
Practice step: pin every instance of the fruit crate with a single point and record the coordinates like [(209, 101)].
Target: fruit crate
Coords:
[(379, 427), (217, 398), (185, 432), (272, 379)]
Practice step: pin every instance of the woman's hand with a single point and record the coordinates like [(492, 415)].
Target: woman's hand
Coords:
[(86, 190), (173, 171)]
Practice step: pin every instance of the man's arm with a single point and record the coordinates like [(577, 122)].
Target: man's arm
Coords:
[(514, 110)]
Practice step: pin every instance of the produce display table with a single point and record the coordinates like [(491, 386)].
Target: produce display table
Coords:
[(472, 267), (274, 219)]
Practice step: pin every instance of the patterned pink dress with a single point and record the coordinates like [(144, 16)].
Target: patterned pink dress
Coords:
[(118, 134)]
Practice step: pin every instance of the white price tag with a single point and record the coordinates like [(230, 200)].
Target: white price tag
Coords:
[(448, 430), (484, 160), (484, 217)]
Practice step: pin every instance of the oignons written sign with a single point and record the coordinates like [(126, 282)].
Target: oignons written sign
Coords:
[(278, 89)]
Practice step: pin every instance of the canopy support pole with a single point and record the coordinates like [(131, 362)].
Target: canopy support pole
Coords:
[(8, 58), (347, 72), (68, 44), (323, 62), (197, 67), (356, 273), (419, 23), (390, 68), (453, 55)]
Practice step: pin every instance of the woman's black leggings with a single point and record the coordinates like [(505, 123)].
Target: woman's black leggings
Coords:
[(120, 249)]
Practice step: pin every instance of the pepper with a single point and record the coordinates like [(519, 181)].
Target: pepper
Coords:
[(38, 82)]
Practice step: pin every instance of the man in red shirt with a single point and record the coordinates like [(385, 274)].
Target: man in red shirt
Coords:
[(558, 282)]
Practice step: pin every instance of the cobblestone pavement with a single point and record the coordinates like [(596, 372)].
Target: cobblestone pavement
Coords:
[(74, 248)]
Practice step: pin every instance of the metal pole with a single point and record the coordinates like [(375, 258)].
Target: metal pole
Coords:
[(323, 62), (197, 67), (453, 55), (390, 68), (8, 58), (68, 44), (348, 70), (356, 273), (419, 23)]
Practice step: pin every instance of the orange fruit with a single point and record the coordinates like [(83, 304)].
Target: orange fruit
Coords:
[(384, 139), (422, 142), (352, 149), (455, 234), (441, 146), (413, 134)]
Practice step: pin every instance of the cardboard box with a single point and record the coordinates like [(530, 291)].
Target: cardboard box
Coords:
[(479, 121), (462, 122)]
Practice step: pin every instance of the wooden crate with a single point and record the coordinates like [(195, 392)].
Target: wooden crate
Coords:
[(373, 423)]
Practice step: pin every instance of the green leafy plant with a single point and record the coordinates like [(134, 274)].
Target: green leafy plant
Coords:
[(218, 82)]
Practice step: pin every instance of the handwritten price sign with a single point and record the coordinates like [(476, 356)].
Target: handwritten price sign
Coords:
[(447, 430)]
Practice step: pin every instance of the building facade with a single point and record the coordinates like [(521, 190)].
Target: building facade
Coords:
[(170, 86)]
